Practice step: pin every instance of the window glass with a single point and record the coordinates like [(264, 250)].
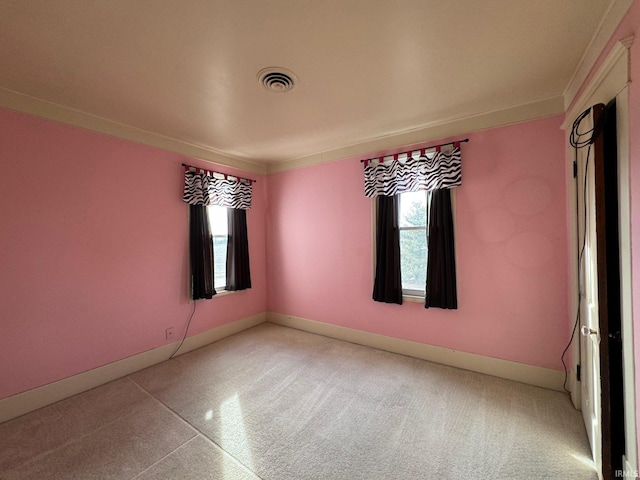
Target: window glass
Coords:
[(412, 219), (218, 223)]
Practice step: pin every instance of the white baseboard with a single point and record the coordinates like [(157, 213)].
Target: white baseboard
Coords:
[(630, 470), (215, 334), (25, 402), (520, 372)]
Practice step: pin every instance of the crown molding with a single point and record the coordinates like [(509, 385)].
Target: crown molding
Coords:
[(617, 11), (612, 76), (21, 102), (433, 131)]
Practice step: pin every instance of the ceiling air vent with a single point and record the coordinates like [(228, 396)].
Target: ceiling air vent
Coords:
[(276, 79)]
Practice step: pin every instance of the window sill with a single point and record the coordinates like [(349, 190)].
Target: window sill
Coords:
[(413, 298), (219, 293), (222, 293)]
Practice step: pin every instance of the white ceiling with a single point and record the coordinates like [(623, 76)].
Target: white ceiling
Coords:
[(186, 69)]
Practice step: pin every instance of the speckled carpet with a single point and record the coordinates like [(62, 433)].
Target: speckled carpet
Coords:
[(279, 404)]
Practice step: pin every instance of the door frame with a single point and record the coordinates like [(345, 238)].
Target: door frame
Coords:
[(610, 81)]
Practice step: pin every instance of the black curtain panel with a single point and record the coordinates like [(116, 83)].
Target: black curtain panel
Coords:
[(388, 284), (441, 290), (238, 274), (201, 253)]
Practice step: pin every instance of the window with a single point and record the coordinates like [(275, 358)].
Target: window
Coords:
[(218, 224), (412, 220), (414, 232)]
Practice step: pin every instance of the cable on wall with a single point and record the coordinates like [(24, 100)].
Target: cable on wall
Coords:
[(186, 330), (578, 140)]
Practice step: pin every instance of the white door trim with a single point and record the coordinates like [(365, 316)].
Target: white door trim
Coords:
[(611, 80)]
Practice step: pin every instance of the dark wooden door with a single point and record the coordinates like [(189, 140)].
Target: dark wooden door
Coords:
[(608, 280)]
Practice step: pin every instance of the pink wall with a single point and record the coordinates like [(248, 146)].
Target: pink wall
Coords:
[(511, 250), (94, 252)]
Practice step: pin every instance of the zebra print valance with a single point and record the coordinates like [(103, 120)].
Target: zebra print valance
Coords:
[(205, 189), (432, 171)]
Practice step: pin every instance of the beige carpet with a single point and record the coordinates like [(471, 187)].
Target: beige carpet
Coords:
[(276, 404), (291, 405)]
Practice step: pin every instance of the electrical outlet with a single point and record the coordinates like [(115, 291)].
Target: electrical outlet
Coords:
[(170, 332)]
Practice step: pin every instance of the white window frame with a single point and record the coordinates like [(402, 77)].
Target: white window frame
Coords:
[(210, 216), (409, 293), (408, 296)]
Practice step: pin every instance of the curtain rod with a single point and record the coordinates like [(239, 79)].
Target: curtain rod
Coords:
[(421, 150), (226, 175)]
